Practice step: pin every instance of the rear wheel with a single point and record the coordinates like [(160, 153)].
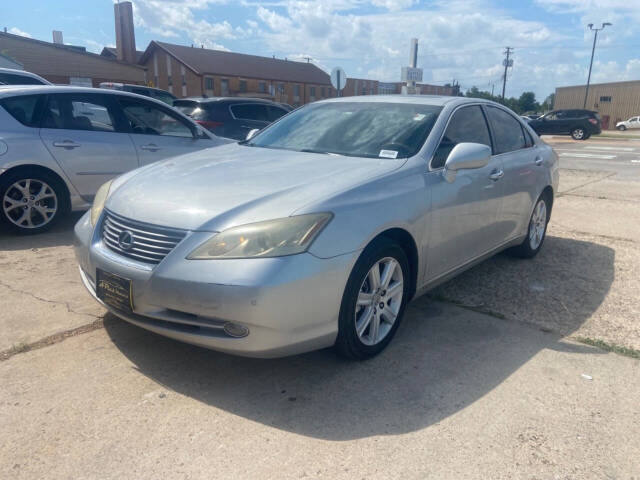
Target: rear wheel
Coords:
[(374, 300), (537, 231), (31, 201), (578, 134)]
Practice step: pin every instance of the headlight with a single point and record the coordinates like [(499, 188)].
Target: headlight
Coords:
[(98, 202), (273, 238)]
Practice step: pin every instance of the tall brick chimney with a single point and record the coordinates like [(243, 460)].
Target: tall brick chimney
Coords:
[(125, 36)]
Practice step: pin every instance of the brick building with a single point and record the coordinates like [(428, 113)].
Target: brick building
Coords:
[(192, 71), (66, 64)]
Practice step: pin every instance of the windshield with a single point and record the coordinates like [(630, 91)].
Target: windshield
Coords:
[(359, 129)]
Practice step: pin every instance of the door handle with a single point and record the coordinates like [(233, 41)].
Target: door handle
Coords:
[(152, 147), (539, 161), (68, 144), (496, 175)]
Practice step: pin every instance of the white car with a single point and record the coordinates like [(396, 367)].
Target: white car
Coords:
[(10, 76), (59, 144), (633, 122)]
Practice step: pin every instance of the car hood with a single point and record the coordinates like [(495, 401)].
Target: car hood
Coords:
[(220, 187)]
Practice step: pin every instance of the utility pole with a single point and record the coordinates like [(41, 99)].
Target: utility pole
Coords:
[(307, 58), (492, 86), (507, 63), (593, 49)]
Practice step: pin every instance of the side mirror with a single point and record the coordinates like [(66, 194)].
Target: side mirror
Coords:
[(252, 133), (465, 156)]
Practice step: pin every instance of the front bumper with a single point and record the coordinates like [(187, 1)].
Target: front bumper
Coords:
[(289, 304)]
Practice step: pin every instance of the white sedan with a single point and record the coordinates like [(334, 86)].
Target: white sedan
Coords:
[(633, 122)]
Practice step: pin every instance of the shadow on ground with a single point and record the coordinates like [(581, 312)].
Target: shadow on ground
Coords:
[(60, 234), (443, 359)]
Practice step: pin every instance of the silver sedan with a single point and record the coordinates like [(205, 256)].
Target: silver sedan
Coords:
[(318, 230)]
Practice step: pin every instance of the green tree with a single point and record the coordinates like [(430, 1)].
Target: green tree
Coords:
[(547, 105), (527, 103)]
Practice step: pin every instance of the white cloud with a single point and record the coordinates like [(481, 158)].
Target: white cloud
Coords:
[(17, 31)]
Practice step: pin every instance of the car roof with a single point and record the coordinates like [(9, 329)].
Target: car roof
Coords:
[(436, 100), (228, 99), (14, 90), (24, 73)]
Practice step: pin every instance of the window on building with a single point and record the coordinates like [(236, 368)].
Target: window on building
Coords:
[(208, 83), (262, 87), (155, 81), (224, 86), (184, 79), (312, 91), (281, 88), (243, 85), (322, 92), (606, 99), (169, 80), (296, 91)]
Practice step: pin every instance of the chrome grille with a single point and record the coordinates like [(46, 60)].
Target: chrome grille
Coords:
[(149, 243)]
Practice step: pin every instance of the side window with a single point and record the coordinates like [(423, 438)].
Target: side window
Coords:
[(24, 109), (162, 96), (275, 113), (250, 111), (528, 139), (79, 112), (149, 119), (467, 125), (507, 131)]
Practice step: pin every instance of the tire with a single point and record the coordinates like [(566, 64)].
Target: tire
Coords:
[(578, 133), (536, 233), (622, 128), (46, 201), (382, 253)]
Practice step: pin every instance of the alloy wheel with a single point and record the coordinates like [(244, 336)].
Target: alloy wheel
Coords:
[(379, 301), (538, 225), (578, 134), (30, 203)]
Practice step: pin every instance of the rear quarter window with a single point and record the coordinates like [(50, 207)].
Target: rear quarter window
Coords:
[(25, 109)]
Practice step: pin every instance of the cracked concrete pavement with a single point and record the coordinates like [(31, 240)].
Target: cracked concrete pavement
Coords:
[(482, 381)]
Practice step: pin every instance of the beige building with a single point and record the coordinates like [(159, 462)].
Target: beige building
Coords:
[(614, 101)]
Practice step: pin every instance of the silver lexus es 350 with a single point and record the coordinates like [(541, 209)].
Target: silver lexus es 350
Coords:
[(318, 230)]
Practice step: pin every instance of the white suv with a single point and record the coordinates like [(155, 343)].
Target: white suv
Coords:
[(59, 144), (633, 122), (9, 76)]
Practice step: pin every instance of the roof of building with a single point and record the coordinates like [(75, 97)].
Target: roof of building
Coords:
[(112, 52), (217, 62), (625, 82)]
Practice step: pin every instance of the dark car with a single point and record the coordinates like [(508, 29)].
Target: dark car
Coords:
[(580, 124), (156, 93), (231, 117)]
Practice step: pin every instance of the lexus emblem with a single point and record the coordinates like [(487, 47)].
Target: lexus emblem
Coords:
[(125, 240)]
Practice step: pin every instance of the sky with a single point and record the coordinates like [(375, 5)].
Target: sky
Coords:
[(458, 39)]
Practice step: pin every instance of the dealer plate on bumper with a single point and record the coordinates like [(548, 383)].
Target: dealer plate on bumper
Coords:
[(115, 291)]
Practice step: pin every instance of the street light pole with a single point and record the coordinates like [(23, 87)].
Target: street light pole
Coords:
[(593, 49)]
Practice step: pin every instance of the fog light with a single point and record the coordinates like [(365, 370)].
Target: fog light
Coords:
[(235, 330)]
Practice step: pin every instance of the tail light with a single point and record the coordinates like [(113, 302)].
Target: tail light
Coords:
[(209, 125), (594, 121)]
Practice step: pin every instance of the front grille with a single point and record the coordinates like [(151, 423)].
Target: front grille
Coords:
[(148, 243)]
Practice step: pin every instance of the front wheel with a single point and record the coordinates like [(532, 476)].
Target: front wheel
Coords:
[(622, 128), (374, 300), (537, 231), (578, 134), (31, 201)]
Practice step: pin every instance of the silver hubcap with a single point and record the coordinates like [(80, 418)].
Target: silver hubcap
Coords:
[(537, 225), (578, 134), (379, 301), (30, 203)]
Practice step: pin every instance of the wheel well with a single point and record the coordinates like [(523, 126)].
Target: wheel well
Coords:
[(406, 242), (48, 171)]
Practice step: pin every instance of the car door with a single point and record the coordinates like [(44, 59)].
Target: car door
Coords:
[(84, 133), (544, 125), (634, 122), (246, 117), (522, 164), (464, 212), (158, 132)]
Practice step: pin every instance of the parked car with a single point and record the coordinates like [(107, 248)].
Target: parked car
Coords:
[(59, 144), (633, 122), (580, 124), (156, 93), (231, 117), (319, 229), (10, 76)]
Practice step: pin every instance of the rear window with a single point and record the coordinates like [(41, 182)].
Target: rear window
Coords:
[(17, 79), (250, 111), (24, 108)]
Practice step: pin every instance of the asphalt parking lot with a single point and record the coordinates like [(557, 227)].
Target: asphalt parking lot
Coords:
[(492, 375)]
